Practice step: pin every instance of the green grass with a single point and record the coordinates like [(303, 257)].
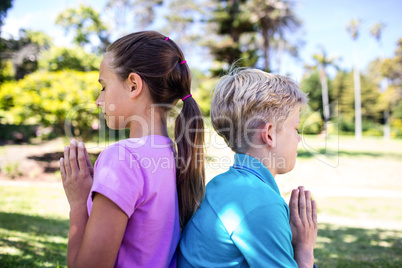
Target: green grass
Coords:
[(33, 226), (344, 247), (34, 229)]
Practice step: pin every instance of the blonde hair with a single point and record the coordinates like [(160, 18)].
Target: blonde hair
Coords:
[(245, 99)]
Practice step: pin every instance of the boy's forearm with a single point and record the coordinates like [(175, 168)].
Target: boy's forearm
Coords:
[(78, 222), (304, 259)]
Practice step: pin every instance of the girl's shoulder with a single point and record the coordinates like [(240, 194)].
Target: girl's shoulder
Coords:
[(145, 144)]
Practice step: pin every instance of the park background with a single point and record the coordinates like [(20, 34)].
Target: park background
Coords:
[(50, 53)]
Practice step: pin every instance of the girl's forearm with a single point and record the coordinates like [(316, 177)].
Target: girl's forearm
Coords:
[(78, 222)]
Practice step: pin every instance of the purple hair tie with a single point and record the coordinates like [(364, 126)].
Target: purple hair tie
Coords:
[(188, 96), (167, 38), (183, 62)]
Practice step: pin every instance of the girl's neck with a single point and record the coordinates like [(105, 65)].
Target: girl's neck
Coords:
[(149, 126)]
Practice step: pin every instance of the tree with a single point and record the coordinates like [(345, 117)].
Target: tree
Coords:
[(5, 5), (272, 17), (322, 61), (233, 37), (342, 91), (24, 52), (391, 68), (62, 58), (186, 23), (353, 29), (86, 22), (141, 12), (281, 45), (51, 98), (376, 31)]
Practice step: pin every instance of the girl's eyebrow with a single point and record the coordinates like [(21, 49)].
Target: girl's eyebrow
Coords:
[(100, 80)]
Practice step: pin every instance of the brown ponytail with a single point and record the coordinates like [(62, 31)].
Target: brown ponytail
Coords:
[(161, 64), (190, 164)]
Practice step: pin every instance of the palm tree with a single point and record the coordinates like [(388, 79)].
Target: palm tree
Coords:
[(272, 16), (353, 29), (376, 31), (322, 62)]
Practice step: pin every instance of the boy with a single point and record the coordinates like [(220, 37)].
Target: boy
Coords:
[(243, 221)]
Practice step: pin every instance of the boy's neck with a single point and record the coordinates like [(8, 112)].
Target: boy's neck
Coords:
[(264, 156)]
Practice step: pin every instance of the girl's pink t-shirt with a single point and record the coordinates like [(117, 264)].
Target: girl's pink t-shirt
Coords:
[(139, 175)]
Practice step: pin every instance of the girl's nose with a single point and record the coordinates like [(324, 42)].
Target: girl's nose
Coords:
[(98, 102)]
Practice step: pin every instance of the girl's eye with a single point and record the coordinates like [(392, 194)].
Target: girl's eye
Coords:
[(298, 131), (103, 89)]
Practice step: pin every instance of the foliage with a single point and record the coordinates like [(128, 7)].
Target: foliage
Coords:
[(311, 84), (5, 5), (203, 90), (391, 68), (51, 98), (322, 62), (272, 18), (6, 70), (341, 94), (63, 58), (142, 12), (86, 22), (227, 45), (311, 121), (17, 133), (353, 28), (247, 30), (23, 52), (376, 30)]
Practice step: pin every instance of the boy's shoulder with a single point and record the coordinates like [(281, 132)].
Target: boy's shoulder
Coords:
[(242, 187), (236, 195)]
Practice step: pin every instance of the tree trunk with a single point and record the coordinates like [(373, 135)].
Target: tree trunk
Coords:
[(387, 127), (265, 36), (281, 48), (325, 99), (358, 111)]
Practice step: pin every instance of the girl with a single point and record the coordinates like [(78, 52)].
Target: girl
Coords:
[(128, 213)]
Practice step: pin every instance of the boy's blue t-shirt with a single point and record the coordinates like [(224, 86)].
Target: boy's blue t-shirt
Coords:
[(242, 222)]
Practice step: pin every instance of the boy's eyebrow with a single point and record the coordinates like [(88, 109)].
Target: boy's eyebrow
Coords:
[(100, 80)]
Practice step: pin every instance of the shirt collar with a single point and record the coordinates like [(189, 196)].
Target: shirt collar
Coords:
[(257, 168)]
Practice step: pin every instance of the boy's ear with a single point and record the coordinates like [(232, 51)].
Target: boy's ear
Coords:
[(135, 85), (268, 134)]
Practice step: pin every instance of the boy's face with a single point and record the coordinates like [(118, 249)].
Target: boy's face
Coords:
[(287, 140)]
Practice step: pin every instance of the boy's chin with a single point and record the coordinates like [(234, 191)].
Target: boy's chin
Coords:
[(286, 169)]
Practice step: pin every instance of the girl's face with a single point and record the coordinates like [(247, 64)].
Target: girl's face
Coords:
[(114, 98)]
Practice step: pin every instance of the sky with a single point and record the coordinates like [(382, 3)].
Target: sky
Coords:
[(323, 26)]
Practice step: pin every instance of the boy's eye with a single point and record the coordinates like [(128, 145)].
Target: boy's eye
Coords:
[(103, 89), (298, 130)]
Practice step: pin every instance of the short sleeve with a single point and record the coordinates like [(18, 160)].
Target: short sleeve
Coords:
[(264, 237), (118, 177)]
